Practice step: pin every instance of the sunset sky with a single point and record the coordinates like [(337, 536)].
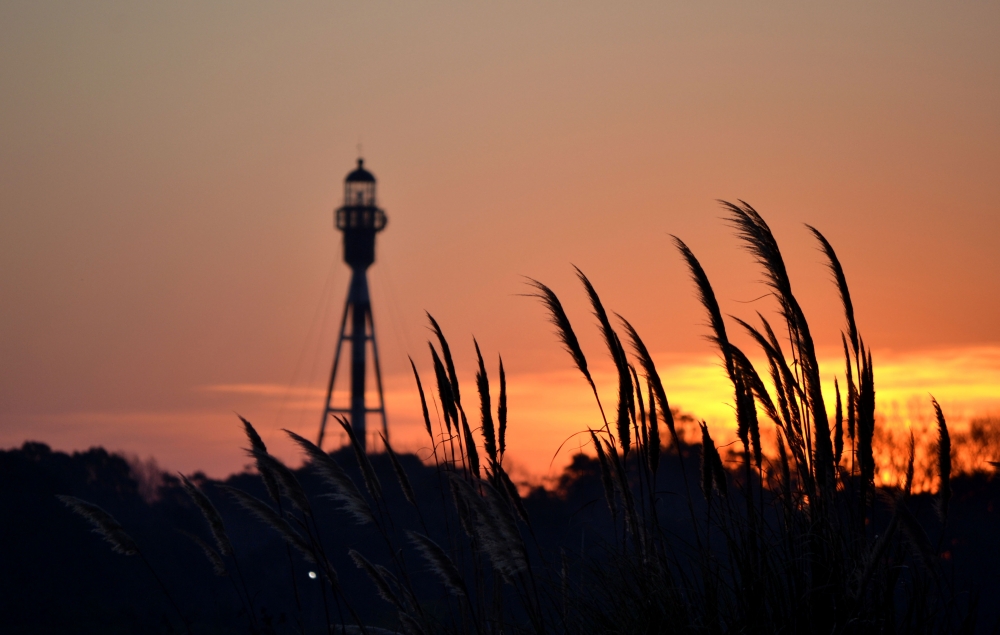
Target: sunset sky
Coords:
[(168, 173)]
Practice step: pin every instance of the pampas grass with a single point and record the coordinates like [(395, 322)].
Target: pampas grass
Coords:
[(376, 576), (944, 460), (793, 538), (486, 409), (218, 565), (401, 477), (211, 515), (344, 489), (104, 525), (502, 412), (564, 330), (439, 563), (649, 371), (269, 517), (368, 475)]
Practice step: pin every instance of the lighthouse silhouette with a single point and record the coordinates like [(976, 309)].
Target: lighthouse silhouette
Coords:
[(360, 220)]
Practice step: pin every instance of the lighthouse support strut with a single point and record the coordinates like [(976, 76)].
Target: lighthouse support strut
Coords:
[(358, 307)]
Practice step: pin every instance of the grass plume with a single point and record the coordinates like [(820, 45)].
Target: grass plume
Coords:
[(344, 489), (211, 515), (103, 524), (944, 460)]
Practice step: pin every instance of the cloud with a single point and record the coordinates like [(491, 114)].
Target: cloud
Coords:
[(265, 390)]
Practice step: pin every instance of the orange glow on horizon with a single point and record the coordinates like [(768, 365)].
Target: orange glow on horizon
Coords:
[(549, 410)]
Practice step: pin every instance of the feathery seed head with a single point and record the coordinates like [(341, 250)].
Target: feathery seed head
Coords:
[(104, 525), (344, 489), (372, 483), (211, 514), (944, 460)]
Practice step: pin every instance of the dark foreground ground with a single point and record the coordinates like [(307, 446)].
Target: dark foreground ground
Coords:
[(58, 577)]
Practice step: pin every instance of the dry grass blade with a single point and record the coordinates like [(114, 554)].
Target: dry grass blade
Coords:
[(748, 385), (404, 594), (786, 413), (471, 452), (713, 462), (707, 297), (512, 494), (463, 507), (384, 590), (269, 517), (558, 317), (492, 526), (649, 371), (786, 473), (446, 352), (866, 424), (721, 482), (423, 401), (707, 464), (793, 391), (908, 484), (760, 242), (257, 448), (289, 485), (610, 338), (397, 467), (344, 489), (211, 514), (788, 408), (626, 407), (606, 481), (643, 440), (256, 443), (744, 405), (445, 393), (838, 425), (944, 460), (852, 391), (104, 525), (439, 562), (367, 471), (218, 566), (757, 385), (653, 453), (486, 409), (409, 624), (502, 412), (510, 555), (621, 483), (845, 292), (780, 393)]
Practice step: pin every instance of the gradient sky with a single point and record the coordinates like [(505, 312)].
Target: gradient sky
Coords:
[(168, 173)]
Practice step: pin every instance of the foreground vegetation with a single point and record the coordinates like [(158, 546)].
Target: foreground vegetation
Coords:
[(795, 538)]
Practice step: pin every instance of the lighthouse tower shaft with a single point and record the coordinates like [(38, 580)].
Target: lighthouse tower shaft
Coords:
[(359, 220)]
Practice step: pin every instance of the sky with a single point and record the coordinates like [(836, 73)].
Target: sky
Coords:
[(168, 173)]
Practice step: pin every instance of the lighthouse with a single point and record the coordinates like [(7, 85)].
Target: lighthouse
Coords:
[(359, 219)]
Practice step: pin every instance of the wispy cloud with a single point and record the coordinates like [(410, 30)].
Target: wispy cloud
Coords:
[(265, 390)]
